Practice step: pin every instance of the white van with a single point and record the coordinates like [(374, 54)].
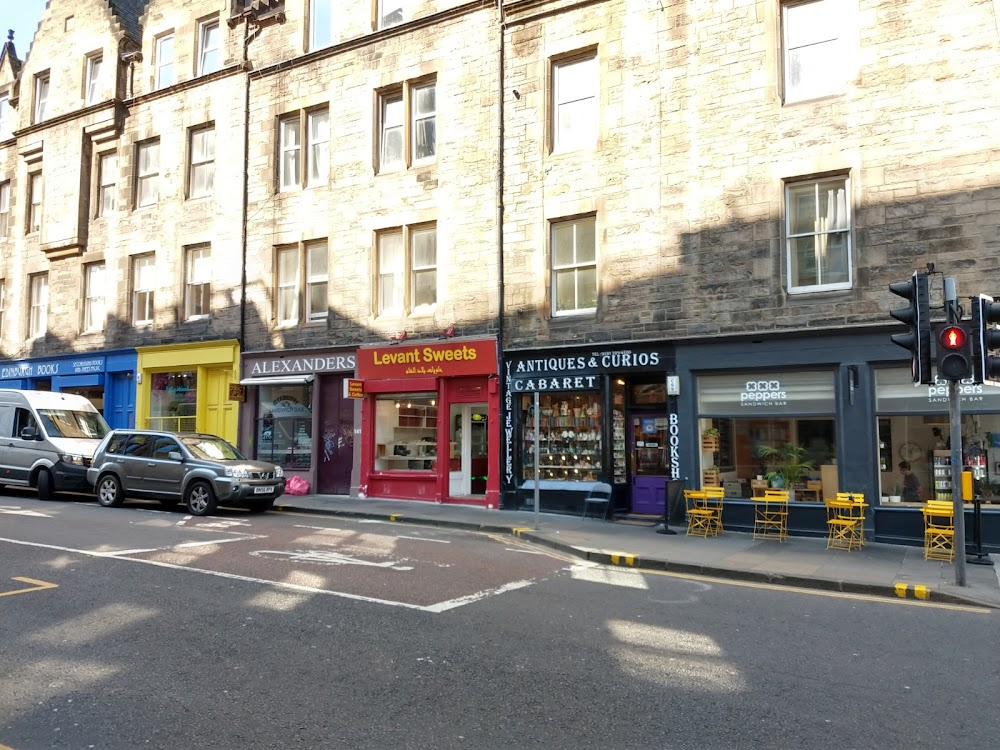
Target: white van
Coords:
[(47, 440)]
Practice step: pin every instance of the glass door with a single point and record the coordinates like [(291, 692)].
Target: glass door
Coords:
[(468, 462), (650, 463)]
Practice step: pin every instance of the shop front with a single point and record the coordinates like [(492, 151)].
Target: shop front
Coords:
[(605, 415), (818, 415), (186, 387), (430, 422), (294, 413), (106, 378)]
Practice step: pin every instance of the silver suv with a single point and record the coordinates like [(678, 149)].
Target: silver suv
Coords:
[(202, 471)]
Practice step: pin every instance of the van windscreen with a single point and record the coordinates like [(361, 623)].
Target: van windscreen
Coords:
[(69, 423)]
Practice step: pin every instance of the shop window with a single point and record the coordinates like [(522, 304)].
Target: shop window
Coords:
[(818, 235), (173, 401), (284, 424), (406, 432), (569, 436)]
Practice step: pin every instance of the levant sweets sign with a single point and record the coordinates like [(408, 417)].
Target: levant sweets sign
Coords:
[(451, 359)]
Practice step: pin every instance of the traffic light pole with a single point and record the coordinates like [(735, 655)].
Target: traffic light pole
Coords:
[(955, 413)]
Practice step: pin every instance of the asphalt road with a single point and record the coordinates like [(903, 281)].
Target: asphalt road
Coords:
[(132, 628)]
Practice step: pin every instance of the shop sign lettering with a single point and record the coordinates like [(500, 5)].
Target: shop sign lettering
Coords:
[(621, 360), (294, 365), (674, 441), (968, 391), (508, 430), (757, 393), (577, 383), (446, 360)]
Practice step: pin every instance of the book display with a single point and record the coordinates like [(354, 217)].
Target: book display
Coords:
[(569, 438)]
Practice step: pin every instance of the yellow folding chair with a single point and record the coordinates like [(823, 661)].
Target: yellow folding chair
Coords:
[(843, 522), (704, 511), (771, 515), (939, 530)]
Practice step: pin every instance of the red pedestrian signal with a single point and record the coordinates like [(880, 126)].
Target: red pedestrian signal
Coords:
[(953, 337), (954, 350)]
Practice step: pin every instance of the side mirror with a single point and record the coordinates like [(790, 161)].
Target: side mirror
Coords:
[(30, 433), (175, 456)]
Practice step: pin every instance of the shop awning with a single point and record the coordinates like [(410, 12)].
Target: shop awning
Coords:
[(279, 380)]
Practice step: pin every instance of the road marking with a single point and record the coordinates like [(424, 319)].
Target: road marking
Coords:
[(433, 608), (322, 557), (611, 576), (16, 510), (242, 538), (35, 586), (422, 539)]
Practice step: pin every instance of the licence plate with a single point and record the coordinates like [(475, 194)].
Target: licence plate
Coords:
[(263, 490)]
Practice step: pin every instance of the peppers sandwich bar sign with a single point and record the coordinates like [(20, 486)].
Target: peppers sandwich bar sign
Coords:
[(451, 359)]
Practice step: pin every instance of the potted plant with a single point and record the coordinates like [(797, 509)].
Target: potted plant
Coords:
[(710, 439), (786, 465)]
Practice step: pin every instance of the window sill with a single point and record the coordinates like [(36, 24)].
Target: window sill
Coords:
[(832, 288), (563, 314), (813, 99)]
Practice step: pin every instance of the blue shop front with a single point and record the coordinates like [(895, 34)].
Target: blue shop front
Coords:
[(106, 378)]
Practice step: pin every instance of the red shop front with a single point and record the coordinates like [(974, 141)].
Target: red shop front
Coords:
[(430, 427)]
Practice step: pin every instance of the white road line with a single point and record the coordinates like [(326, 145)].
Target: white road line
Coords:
[(432, 609), (524, 551), (130, 552), (422, 539), (246, 538), (463, 600)]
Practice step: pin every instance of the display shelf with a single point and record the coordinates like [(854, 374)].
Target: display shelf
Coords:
[(570, 440), (413, 444), (942, 475), (618, 451), (885, 458)]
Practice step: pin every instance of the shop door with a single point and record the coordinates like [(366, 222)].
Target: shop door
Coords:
[(650, 464), (468, 463), (119, 407)]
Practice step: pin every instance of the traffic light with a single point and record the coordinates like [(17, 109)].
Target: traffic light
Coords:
[(954, 350), (918, 317), (985, 338)]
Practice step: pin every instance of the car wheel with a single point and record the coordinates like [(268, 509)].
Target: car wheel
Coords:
[(109, 491), (260, 506), (45, 485), (200, 499)]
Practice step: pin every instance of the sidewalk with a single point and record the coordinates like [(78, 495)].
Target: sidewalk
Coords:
[(879, 569)]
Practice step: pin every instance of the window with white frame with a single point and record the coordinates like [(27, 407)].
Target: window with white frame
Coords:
[(34, 202), (301, 283), (6, 118), (41, 96), (403, 140), (574, 266), (406, 269), (392, 13), (574, 103), (164, 60), (818, 234), (198, 282), (4, 208), (209, 39), (143, 285), (201, 180), (107, 187), (320, 23), (812, 59), (38, 316), (314, 126), (147, 179), (94, 301), (3, 304), (93, 79)]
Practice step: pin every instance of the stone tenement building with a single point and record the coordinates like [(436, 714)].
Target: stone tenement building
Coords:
[(615, 191)]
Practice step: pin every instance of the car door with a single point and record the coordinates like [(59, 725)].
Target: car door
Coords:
[(10, 448), (135, 461), (165, 473), (21, 452)]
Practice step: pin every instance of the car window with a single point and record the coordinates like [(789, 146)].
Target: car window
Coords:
[(116, 444), (73, 423), (138, 446), (23, 418), (211, 448), (162, 446)]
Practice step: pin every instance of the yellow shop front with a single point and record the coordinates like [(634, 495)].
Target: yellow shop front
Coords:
[(187, 387)]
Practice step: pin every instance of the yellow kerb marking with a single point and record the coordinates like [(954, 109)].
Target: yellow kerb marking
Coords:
[(623, 560), (921, 592), (35, 586), (901, 590)]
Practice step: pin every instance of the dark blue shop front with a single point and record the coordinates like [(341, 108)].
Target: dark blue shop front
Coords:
[(106, 378)]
